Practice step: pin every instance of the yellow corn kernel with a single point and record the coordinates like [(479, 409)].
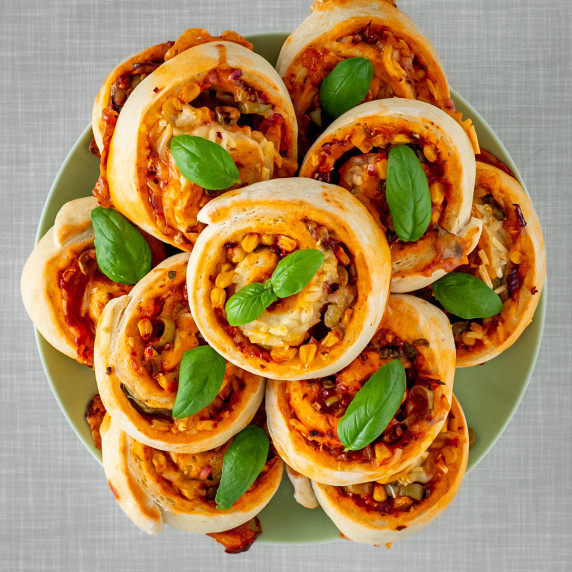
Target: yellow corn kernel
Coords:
[(430, 153), (286, 243), (250, 242), (343, 276), (224, 279), (172, 106), (515, 257), (402, 503), (189, 92), (381, 452), (206, 425), (308, 353), (381, 168), (159, 461), (187, 494), (400, 139), (236, 254), (267, 239), (437, 193), (225, 267), (379, 493), (145, 328), (285, 353), (218, 297), (164, 381), (346, 317), (333, 337)]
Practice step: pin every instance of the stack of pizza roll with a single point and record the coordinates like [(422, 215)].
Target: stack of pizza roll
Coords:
[(239, 319)]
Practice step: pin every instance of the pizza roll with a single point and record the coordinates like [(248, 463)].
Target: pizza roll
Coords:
[(405, 63), (388, 510), (510, 258), (353, 153), (323, 327), (219, 91), (303, 416), (155, 487), (129, 73), (141, 339), (63, 289)]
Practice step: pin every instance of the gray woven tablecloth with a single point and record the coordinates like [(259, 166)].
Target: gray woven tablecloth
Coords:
[(511, 60)]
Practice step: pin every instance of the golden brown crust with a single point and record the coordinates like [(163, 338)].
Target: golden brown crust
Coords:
[(154, 487), (449, 163), (144, 182), (303, 426), (138, 382), (515, 257), (290, 208), (404, 61), (362, 519)]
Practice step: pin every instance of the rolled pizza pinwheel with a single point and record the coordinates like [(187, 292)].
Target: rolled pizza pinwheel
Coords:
[(63, 289), (155, 487), (390, 509), (510, 258), (129, 73), (405, 64), (219, 91), (141, 339), (303, 416), (323, 327), (353, 153)]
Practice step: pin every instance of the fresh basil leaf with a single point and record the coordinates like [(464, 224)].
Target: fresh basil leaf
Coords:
[(242, 463), (294, 271), (466, 296), (248, 303), (122, 254), (373, 407), (407, 194), (346, 86), (201, 374), (204, 162)]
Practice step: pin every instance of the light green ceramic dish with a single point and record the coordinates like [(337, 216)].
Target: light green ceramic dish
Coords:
[(489, 393)]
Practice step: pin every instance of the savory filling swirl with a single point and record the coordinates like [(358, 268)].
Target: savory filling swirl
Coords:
[(305, 325)]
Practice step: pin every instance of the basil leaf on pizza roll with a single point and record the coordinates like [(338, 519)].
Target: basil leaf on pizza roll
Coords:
[(221, 94), (413, 167), (141, 345), (63, 288), (304, 417), (403, 61), (156, 487), (290, 278), (384, 511), (510, 259)]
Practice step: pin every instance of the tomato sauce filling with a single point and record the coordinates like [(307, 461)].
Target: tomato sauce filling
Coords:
[(80, 283), (331, 396)]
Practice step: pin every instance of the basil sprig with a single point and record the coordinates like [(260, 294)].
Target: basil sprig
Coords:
[(201, 374), (346, 86), (407, 194), (204, 162), (373, 407), (290, 276), (122, 254), (242, 463), (466, 296)]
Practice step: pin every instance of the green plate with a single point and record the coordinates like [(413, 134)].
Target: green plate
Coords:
[(489, 393)]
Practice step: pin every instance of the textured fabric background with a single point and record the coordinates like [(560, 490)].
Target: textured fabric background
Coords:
[(511, 60)]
